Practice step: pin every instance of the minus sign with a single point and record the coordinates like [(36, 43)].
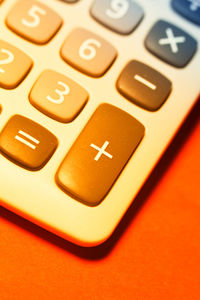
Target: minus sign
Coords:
[(145, 82)]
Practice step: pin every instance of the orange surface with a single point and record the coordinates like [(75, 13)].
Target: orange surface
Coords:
[(154, 253)]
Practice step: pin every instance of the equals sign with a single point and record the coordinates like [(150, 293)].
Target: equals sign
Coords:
[(30, 141)]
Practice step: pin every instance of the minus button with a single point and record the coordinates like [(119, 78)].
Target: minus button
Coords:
[(145, 82), (143, 85)]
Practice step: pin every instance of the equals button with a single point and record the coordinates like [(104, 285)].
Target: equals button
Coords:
[(27, 143), (30, 141)]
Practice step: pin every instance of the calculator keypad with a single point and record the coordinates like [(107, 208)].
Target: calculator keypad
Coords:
[(143, 85), (88, 52), (12, 70), (58, 96), (121, 16), (27, 143), (111, 136), (99, 154), (171, 44), (33, 21)]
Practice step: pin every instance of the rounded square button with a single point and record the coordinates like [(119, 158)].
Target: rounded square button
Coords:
[(143, 85), (14, 65), (70, 1), (99, 154), (33, 21), (121, 16), (58, 96), (171, 44), (190, 9), (88, 52), (27, 143)]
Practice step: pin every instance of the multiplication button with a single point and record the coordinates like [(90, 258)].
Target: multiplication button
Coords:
[(27, 143), (171, 44), (99, 154), (143, 85)]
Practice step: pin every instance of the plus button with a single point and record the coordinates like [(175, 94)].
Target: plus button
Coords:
[(101, 151)]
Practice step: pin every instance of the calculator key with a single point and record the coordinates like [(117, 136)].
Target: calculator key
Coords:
[(88, 52), (171, 44), (70, 1), (58, 96), (33, 21), (190, 9), (27, 143), (99, 154), (121, 16), (14, 65), (143, 85)]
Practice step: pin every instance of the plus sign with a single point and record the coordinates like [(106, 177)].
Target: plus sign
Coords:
[(172, 40), (101, 151), (195, 4)]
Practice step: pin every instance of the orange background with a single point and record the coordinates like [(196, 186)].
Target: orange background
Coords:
[(154, 253)]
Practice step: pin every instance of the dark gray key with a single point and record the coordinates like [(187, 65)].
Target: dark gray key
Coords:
[(143, 85), (121, 16), (171, 44)]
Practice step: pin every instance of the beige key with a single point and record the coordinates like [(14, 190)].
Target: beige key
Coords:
[(88, 52), (27, 143), (58, 96), (99, 154), (14, 65), (33, 21)]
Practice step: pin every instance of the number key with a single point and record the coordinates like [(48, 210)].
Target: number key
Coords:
[(121, 16), (33, 21), (58, 96), (88, 52), (14, 65)]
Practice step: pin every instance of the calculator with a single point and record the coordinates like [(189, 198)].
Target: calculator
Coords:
[(91, 94)]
